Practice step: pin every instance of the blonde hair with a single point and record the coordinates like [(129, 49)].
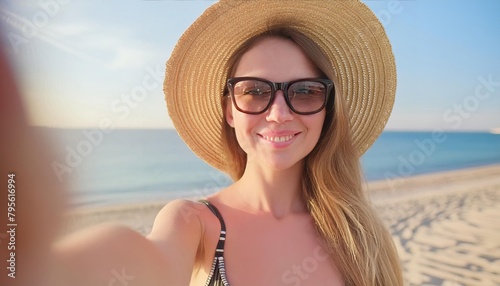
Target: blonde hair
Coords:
[(354, 235)]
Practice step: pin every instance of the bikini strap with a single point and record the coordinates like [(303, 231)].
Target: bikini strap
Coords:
[(219, 251)]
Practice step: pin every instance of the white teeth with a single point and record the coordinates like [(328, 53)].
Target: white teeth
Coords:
[(279, 139)]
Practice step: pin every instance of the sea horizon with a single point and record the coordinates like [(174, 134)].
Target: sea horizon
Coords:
[(147, 165)]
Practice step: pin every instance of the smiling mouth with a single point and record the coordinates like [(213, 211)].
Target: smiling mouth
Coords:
[(279, 138)]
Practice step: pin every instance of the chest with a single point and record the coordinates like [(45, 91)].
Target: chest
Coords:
[(263, 251)]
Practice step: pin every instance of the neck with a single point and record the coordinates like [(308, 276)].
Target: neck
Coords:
[(277, 192)]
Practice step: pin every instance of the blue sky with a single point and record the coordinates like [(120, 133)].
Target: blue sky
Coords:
[(79, 61)]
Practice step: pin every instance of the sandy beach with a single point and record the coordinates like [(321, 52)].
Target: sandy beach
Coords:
[(446, 225)]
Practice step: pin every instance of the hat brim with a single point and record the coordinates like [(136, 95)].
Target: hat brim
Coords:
[(348, 32)]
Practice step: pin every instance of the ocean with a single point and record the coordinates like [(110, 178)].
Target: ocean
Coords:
[(141, 166)]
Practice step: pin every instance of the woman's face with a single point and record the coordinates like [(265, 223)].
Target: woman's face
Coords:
[(278, 138)]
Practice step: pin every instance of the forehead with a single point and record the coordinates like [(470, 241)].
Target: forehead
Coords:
[(275, 59)]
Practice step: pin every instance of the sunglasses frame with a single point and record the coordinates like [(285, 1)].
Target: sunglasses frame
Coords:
[(283, 86)]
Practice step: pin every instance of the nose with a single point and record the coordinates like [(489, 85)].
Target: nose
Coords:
[(279, 110)]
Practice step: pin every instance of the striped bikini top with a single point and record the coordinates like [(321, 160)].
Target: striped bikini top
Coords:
[(217, 275)]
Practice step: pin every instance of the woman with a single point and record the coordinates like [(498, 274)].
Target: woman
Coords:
[(284, 96)]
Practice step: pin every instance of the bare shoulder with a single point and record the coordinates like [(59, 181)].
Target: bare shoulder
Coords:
[(178, 228), (179, 216), (185, 228)]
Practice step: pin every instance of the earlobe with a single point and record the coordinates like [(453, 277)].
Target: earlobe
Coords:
[(229, 113)]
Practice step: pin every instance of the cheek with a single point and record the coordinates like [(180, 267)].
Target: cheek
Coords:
[(242, 124), (315, 125), (315, 122)]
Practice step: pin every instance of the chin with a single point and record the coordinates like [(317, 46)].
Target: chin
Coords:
[(284, 165)]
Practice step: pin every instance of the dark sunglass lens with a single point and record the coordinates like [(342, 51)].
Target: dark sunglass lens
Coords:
[(252, 95), (307, 96)]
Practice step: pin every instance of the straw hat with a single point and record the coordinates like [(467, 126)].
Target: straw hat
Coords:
[(347, 31)]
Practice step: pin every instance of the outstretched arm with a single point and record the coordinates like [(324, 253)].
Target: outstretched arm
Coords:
[(108, 255), (116, 255)]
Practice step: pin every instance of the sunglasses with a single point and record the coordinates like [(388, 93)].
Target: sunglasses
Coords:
[(254, 95)]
